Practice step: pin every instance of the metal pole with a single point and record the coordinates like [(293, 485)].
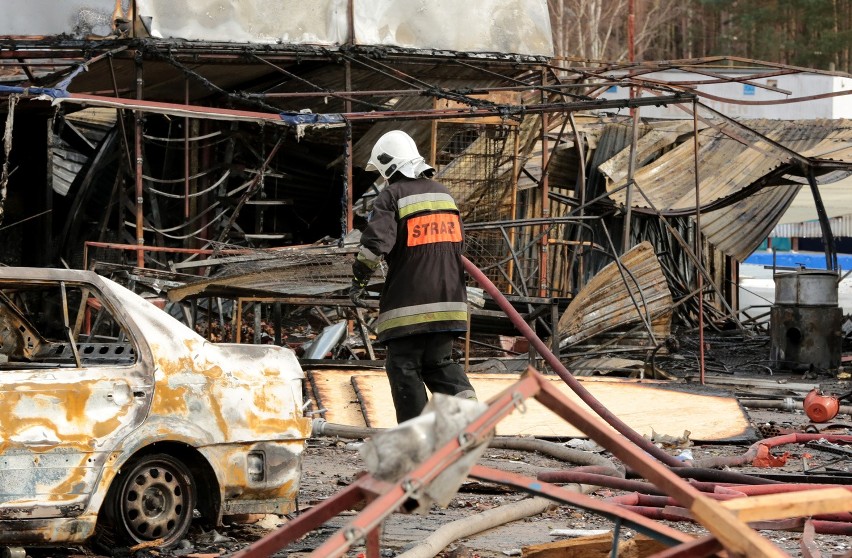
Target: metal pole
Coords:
[(349, 195), (631, 169), (514, 202), (824, 223), (631, 52), (631, 43), (350, 24), (257, 324), (276, 318), (698, 246), (238, 320), (467, 342), (140, 231), (580, 193), (545, 200), (631, 35), (433, 139), (186, 153)]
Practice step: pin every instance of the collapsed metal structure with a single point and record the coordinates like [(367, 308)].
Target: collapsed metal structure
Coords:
[(203, 148)]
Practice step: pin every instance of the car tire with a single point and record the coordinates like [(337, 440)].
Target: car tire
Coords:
[(152, 498)]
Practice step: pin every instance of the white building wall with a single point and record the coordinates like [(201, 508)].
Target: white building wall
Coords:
[(843, 104), (799, 85)]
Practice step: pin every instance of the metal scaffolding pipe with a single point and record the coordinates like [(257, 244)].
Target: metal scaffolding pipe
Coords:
[(543, 289), (137, 144), (698, 243), (215, 113), (320, 427)]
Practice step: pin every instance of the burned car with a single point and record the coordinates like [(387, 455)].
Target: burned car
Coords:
[(118, 423)]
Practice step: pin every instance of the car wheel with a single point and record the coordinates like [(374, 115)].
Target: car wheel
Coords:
[(153, 500)]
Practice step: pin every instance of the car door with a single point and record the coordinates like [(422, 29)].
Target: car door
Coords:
[(71, 384)]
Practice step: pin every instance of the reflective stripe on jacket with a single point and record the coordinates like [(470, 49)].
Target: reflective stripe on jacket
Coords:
[(415, 226)]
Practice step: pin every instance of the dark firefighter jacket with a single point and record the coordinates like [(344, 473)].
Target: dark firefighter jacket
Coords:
[(415, 226)]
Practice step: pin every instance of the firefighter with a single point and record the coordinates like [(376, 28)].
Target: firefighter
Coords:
[(415, 227)]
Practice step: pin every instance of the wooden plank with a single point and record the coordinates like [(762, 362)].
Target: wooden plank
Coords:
[(646, 546), (594, 546), (643, 406), (734, 534), (782, 387), (791, 504)]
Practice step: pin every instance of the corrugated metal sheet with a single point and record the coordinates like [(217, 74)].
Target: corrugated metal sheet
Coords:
[(604, 303), (651, 143), (65, 160), (841, 227), (614, 138), (729, 167), (738, 229), (307, 271), (563, 168)]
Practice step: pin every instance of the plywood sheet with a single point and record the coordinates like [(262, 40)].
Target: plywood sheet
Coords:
[(333, 391), (643, 406)]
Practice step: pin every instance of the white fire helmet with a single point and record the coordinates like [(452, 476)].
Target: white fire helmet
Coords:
[(396, 152)]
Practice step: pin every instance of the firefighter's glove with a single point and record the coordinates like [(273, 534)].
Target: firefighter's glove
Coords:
[(361, 274), (357, 294)]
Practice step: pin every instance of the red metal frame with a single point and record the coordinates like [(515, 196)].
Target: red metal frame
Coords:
[(385, 498)]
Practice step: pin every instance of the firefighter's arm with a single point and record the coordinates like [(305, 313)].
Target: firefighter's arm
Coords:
[(376, 242)]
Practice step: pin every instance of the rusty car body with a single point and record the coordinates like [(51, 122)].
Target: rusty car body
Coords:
[(117, 421)]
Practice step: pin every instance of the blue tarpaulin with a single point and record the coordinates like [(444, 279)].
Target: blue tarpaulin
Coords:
[(33, 91), (810, 260)]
